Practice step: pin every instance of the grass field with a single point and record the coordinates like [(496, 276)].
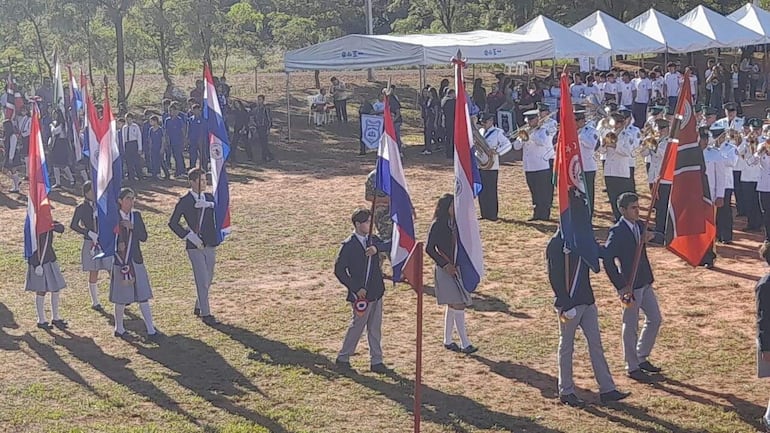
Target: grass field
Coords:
[(268, 367)]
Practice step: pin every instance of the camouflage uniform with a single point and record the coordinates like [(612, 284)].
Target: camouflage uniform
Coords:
[(382, 221)]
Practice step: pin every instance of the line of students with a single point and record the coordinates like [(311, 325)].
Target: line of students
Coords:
[(129, 277)]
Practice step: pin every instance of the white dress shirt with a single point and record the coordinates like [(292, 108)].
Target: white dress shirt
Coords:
[(763, 185), (495, 138), (589, 139), (132, 132), (616, 162), (634, 135), (656, 161), (729, 153), (536, 151), (715, 172)]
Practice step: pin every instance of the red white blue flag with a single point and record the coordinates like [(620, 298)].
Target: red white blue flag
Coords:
[(469, 256), (574, 208), (76, 103), (39, 219), (391, 180), (219, 146), (107, 169)]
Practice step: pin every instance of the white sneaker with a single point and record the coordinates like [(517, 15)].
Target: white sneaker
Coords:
[(427, 152)]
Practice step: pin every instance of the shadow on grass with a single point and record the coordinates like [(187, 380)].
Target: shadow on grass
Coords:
[(7, 321), (485, 303), (438, 407), (87, 351), (736, 274), (54, 362), (749, 412), (12, 200), (547, 385), (545, 227), (198, 367)]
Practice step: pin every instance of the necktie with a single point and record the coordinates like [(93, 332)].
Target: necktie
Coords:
[(636, 232)]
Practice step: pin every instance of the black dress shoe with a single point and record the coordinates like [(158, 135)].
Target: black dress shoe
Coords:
[(197, 312), (60, 324), (156, 336), (209, 320), (342, 364), (640, 376), (44, 325), (380, 368), (98, 308), (649, 368), (452, 346), (572, 400), (122, 335), (470, 349), (614, 395)]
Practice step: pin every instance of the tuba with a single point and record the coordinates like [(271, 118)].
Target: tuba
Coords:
[(485, 156)]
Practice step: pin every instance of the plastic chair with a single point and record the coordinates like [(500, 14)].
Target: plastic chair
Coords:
[(310, 108)]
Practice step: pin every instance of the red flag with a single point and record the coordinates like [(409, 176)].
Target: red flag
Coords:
[(690, 230)]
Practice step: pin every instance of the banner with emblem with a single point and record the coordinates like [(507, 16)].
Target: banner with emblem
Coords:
[(372, 127)]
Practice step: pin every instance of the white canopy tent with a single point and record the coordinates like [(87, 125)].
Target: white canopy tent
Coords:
[(753, 18), (616, 36), (677, 37), (354, 52), (566, 43), (725, 32)]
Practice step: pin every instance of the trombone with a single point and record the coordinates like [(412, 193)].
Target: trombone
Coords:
[(522, 134)]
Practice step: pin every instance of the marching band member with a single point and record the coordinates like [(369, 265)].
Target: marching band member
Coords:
[(763, 186), (622, 241), (716, 177), (358, 268), (731, 119), (589, 143), (537, 159), (656, 112), (724, 217), (496, 140), (634, 135), (449, 291), (657, 153), (197, 209), (709, 116), (548, 123), (577, 309), (129, 281), (84, 222), (44, 276), (603, 128), (750, 176), (617, 175)]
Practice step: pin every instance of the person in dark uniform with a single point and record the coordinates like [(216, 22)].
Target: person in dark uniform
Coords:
[(496, 140), (636, 295), (358, 269), (175, 129), (61, 152), (576, 307), (197, 209), (129, 282), (84, 221), (762, 292), (44, 276), (449, 290), (13, 156)]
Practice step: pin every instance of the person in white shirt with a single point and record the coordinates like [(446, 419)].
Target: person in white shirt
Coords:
[(499, 143), (626, 90), (634, 136), (724, 217), (592, 92), (672, 83), (707, 75), (656, 155), (656, 84), (763, 185), (643, 92), (716, 180), (750, 175), (611, 88), (577, 90), (132, 142), (319, 107), (693, 83), (617, 174), (731, 119), (537, 160), (589, 144), (601, 83), (548, 123)]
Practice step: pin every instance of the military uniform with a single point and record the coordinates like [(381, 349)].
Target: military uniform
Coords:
[(382, 220)]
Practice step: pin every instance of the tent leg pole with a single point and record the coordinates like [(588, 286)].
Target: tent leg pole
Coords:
[(288, 109)]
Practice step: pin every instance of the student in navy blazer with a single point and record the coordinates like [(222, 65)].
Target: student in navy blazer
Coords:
[(358, 269), (618, 257)]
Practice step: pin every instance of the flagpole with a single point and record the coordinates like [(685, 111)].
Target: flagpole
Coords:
[(418, 286)]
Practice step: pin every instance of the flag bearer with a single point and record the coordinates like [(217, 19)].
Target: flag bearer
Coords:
[(44, 276)]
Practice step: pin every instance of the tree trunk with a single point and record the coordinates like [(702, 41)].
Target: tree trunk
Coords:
[(317, 76), (117, 19), (40, 45), (133, 75)]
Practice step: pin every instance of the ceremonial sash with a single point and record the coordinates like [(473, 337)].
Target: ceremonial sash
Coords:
[(126, 268)]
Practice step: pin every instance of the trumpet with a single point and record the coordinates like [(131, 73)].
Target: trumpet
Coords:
[(611, 138), (523, 133), (652, 140), (729, 134)]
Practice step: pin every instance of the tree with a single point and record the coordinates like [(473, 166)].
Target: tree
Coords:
[(161, 21)]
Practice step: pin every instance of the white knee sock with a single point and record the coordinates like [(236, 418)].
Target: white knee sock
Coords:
[(40, 307), (55, 306), (84, 175), (94, 291), (449, 325), (147, 314), (119, 310), (69, 175), (16, 181), (57, 175), (460, 324)]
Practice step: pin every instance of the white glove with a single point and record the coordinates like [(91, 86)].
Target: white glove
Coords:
[(570, 314), (203, 204), (93, 236), (192, 237)]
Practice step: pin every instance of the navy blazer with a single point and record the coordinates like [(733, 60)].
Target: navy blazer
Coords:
[(763, 313), (350, 268), (45, 244), (621, 245), (83, 220), (139, 235), (192, 216), (584, 293)]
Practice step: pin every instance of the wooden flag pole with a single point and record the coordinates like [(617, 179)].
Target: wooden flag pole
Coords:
[(418, 286)]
